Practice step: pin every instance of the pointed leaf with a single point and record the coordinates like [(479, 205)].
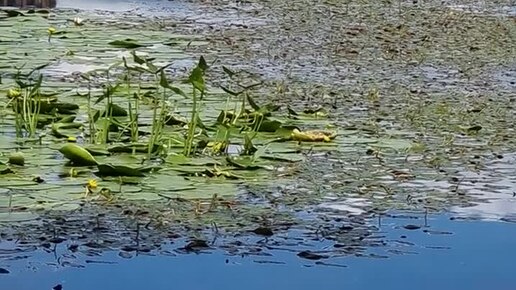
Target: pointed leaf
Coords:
[(229, 72), (227, 90), (137, 59), (202, 64), (163, 82), (178, 91), (253, 103)]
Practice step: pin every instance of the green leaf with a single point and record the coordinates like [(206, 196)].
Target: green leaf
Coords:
[(127, 43), (253, 103), (269, 126), (117, 111), (163, 82), (17, 216), (13, 13), (152, 68), (137, 59), (196, 79), (118, 170), (233, 93), (292, 112), (202, 64), (77, 155), (178, 91), (229, 72)]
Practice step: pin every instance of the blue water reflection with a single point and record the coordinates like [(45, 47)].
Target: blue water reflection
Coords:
[(449, 255)]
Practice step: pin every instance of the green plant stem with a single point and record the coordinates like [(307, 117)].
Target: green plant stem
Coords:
[(193, 124)]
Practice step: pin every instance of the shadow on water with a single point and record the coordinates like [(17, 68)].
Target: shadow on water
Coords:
[(433, 252)]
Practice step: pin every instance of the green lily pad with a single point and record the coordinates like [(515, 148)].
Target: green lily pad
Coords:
[(119, 170), (127, 43), (6, 217), (270, 126), (180, 159)]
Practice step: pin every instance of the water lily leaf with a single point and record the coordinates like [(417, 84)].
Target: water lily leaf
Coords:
[(246, 163), (317, 112), (127, 43), (117, 111), (283, 157), (313, 136), (77, 155), (98, 150), (13, 13), (62, 108), (5, 169), (285, 132), (67, 119), (269, 126), (63, 130), (8, 181), (180, 159), (17, 216), (128, 148), (228, 71), (396, 144), (216, 172), (231, 92), (118, 170)]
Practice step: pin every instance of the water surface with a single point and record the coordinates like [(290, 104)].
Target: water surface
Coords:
[(448, 254)]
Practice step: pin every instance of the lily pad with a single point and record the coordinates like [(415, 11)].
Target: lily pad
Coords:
[(127, 43), (119, 170), (17, 216)]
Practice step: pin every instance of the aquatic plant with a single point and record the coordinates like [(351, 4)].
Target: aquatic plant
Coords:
[(26, 101)]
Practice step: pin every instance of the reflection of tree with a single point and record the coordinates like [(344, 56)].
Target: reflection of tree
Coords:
[(29, 3)]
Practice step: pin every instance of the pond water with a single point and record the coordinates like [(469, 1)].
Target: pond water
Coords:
[(416, 191), (447, 254)]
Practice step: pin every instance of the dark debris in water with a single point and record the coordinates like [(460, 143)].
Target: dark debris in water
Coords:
[(411, 227), (263, 231), (311, 255), (196, 245)]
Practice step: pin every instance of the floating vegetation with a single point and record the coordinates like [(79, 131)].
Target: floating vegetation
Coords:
[(160, 134), (134, 122)]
